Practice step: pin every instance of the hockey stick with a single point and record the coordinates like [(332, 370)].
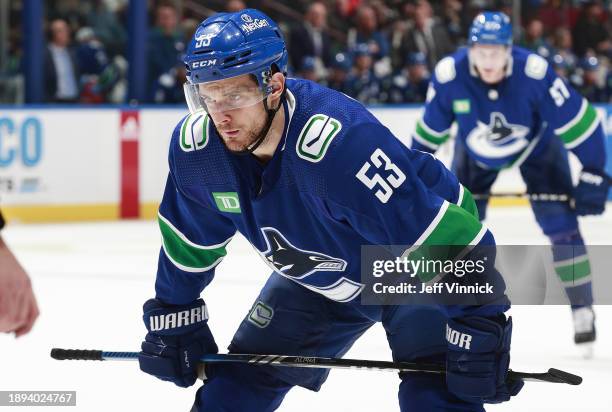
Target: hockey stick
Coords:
[(553, 375), (538, 197)]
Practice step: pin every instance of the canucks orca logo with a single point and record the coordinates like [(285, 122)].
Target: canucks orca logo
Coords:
[(294, 262), (498, 139)]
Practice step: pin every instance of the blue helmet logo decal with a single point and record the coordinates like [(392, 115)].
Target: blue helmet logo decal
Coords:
[(491, 28), (204, 35)]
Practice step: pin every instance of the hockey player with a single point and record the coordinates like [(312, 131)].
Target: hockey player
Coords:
[(307, 175), (512, 110)]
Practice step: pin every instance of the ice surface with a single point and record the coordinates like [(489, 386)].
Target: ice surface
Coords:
[(91, 280)]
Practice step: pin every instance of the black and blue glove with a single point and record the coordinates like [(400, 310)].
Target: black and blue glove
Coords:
[(178, 337), (477, 359), (591, 193)]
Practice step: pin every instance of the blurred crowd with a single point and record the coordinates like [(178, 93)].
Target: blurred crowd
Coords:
[(376, 51)]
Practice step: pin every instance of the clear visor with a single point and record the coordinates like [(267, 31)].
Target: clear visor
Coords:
[(221, 96)]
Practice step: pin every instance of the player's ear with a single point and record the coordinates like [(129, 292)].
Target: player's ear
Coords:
[(277, 81)]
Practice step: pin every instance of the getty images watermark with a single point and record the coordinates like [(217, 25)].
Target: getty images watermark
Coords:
[(429, 275), (477, 275), (429, 272)]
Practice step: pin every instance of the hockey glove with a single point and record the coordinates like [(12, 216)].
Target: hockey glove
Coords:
[(178, 337), (591, 192), (477, 359)]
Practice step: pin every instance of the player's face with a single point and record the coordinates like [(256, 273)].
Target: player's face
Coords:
[(490, 61), (239, 127)]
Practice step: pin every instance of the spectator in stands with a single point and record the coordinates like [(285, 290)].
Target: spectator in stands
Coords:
[(533, 39), (62, 72), (310, 38), (11, 77), (339, 70), (92, 60), (589, 85), (361, 83), (589, 32), (344, 14), (427, 36), (418, 78), (165, 47), (563, 47), (408, 85), (107, 28), (455, 19), (99, 75), (561, 66), (90, 52), (367, 32), (308, 69), (385, 16)]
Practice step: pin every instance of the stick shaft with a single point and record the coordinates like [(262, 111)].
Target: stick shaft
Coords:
[(553, 375), (539, 197)]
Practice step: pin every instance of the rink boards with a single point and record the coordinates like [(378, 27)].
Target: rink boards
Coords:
[(83, 163)]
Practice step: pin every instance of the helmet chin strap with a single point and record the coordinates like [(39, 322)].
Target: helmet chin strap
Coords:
[(270, 113)]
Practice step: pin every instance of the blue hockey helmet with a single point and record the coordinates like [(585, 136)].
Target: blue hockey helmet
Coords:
[(559, 62), (491, 27), (416, 58), (342, 61), (589, 63), (228, 45), (361, 49), (309, 63)]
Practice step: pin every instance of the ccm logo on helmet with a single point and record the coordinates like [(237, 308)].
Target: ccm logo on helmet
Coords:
[(203, 63)]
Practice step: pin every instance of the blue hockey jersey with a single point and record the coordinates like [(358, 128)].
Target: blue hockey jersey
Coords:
[(338, 180), (501, 125)]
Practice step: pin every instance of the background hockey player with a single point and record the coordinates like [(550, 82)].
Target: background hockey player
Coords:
[(512, 110), (307, 175)]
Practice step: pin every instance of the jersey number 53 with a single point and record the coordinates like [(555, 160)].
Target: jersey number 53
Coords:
[(386, 184)]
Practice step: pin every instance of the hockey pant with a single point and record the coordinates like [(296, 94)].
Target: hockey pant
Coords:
[(289, 319)]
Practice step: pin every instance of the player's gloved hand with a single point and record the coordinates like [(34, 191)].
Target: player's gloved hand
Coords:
[(477, 359), (178, 337), (591, 192)]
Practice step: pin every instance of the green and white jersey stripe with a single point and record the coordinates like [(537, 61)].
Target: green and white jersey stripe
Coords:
[(450, 235), (429, 137), (465, 200), (577, 130), (574, 272), (186, 255)]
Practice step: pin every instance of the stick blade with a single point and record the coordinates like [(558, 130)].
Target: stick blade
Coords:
[(565, 377)]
